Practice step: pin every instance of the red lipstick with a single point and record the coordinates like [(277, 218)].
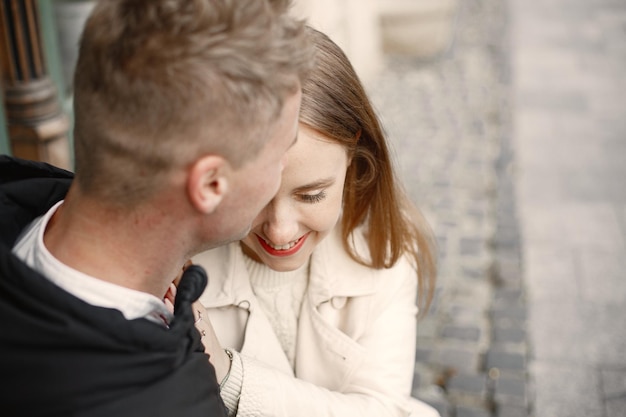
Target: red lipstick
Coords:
[(280, 253)]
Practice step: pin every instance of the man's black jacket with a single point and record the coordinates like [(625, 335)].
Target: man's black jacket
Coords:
[(60, 356)]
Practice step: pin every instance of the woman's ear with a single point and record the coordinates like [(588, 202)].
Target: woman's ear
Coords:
[(207, 183)]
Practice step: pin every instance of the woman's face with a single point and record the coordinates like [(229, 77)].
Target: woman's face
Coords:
[(306, 207)]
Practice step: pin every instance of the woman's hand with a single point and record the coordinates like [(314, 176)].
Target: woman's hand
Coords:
[(217, 356), (169, 298), (170, 295)]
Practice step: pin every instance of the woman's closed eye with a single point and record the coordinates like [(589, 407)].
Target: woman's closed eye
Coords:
[(312, 198)]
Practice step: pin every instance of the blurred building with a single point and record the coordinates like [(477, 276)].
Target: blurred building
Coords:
[(39, 42)]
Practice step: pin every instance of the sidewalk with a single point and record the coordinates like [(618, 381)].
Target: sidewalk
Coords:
[(570, 142), (513, 145)]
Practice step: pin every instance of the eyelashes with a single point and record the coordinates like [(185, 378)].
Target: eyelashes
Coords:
[(313, 198)]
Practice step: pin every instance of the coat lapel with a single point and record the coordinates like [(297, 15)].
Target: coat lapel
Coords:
[(334, 279), (335, 274)]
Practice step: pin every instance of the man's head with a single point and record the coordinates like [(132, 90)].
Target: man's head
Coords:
[(162, 83)]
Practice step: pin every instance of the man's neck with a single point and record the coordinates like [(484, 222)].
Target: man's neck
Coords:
[(132, 249)]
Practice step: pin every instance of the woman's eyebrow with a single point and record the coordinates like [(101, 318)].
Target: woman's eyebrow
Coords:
[(321, 183)]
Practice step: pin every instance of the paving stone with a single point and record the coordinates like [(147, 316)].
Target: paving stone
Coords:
[(505, 360), (510, 254), (474, 272), (470, 333), (427, 327), (423, 354), (462, 411), (505, 205), (508, 296), (509, 323), (511, 411), (475, 384), (509, 270), (459, 359), (472, 293), (471, 246), (512, 313), (462, 314), (503, 335), (507, 238), (501, 302), (511, 391)]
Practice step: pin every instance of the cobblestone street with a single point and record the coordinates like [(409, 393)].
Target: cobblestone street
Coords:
[(449, 122)]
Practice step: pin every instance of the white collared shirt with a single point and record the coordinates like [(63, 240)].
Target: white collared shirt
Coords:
[(133, 304)]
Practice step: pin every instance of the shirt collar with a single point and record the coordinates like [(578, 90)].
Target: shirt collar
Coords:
[(132, 303)]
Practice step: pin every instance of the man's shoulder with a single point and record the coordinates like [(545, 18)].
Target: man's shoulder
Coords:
[(27, 190), (14, 169)]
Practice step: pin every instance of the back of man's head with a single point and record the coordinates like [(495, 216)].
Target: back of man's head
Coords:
[(161, 82)]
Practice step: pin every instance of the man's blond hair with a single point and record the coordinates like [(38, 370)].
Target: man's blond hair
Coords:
[(161, 82)]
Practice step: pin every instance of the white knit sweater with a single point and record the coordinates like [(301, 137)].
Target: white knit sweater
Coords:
[(280, 295)]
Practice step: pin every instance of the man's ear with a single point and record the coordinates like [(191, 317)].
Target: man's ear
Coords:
[(207, 182)]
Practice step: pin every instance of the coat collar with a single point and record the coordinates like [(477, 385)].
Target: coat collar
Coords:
[(335, 274), (228, 278)]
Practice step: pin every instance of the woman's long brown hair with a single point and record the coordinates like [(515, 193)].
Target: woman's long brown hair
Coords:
[(335, 104)]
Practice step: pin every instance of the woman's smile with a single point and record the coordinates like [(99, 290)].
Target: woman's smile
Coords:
[(282, 250)]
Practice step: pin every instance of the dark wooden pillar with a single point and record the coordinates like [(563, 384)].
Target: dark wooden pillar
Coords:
[(37, 126)]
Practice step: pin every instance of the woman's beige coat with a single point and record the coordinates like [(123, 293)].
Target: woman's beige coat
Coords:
[(355, 342)]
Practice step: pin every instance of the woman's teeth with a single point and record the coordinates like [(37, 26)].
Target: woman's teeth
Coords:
[(282, 247)]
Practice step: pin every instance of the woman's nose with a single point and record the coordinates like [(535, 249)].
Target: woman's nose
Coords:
[(281, 225)]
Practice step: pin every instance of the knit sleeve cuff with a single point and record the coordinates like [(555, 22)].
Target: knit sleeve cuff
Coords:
[(231, 391)]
